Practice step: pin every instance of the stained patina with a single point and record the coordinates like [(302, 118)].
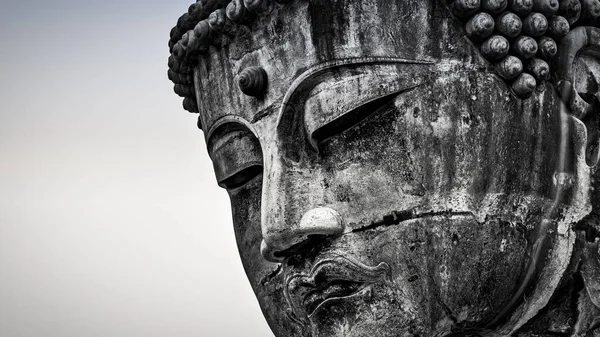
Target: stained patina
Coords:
[(405, 168)]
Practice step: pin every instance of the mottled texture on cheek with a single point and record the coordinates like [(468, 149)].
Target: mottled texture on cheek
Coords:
[(266, 278), (245, 205), (418, 178), (430, 150)]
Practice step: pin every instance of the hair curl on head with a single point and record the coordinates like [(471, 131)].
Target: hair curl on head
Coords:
[(522, 36)]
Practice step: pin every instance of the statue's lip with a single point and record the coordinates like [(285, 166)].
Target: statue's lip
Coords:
[(336, 290), (330, 278)]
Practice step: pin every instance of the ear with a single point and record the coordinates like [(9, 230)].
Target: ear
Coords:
[(577, 75)]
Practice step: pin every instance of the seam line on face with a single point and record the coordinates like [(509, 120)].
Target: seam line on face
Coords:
[(397, 217)]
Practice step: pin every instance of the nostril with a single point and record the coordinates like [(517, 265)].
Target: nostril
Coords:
[(300, 248), (314, 226), (269, 253)]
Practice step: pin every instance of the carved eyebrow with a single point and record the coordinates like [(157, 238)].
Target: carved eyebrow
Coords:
[(308, 79)]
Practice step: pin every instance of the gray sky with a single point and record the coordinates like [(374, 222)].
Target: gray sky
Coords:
[(111, 223)]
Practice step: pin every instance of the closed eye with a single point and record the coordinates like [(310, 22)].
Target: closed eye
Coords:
[(343, 97), (241, 177), (236, 155), (351, 118)]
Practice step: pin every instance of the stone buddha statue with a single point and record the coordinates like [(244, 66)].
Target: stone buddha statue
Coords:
[(405, 167)]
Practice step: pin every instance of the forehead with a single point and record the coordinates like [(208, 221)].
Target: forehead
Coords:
[(303, 34)]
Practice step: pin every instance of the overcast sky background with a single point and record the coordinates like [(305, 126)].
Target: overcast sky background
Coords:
[(111, 223)]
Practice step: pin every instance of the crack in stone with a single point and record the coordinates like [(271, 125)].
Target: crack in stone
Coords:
[(397, 217)]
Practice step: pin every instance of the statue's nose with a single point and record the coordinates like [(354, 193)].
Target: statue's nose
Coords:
[(316, 222)]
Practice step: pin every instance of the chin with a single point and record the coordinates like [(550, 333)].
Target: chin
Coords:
[(377, 310)]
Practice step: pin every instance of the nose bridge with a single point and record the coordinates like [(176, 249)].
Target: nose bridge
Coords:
[(292, 206)]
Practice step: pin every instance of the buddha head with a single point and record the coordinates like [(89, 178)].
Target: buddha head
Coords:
[(398, 168)]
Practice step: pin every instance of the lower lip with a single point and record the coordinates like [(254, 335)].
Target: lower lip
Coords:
[(332, 291)]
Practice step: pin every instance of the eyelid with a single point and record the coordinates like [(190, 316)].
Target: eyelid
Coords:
[(236, 156), (349, 96), (349, 119)]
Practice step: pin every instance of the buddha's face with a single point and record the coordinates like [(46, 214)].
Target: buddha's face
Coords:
[(388, 183)]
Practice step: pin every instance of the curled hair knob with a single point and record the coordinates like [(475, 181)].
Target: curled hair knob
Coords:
[(525, 47), (495, 48), (590, 9), (521, 7), (571, 9), (253, 81), (480, 26), (547, 48), (466, 8), (509, 24), (524, 85), (539, 69), (546, 7), (558, 27), (494, 6), (510, 67), (535, 24)]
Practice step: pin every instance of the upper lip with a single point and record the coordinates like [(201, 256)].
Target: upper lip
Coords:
[(330, 277)]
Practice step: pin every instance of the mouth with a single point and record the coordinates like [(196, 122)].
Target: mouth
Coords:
[(330, 291), (331, 278)]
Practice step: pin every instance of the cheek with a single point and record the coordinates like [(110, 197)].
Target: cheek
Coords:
[(265, 277), (442, 269), (245, 205), (443, 150), (368, 169)]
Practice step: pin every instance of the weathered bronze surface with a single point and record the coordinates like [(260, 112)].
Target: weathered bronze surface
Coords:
[(405, 167)]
